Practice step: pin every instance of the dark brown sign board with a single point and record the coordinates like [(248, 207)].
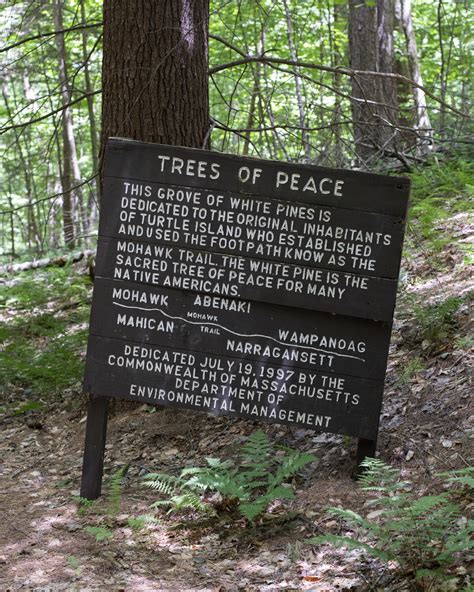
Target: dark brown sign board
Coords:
[(242, 287)]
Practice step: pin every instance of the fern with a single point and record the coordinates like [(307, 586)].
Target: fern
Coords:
[(101, 533), (250, 485), (115, 486), (423, 535)]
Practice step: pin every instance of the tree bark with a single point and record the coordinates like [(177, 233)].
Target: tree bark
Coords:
[(374, 105), (155, 60)]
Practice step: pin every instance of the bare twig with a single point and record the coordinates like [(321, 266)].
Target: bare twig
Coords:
[(228, 44), (50, 34), (43, 117), (56, 195), (335, 70)]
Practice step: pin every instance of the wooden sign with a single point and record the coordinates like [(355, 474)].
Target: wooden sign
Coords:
[(242, 287)]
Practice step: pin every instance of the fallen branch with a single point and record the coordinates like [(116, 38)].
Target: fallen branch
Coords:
[(48, 262)]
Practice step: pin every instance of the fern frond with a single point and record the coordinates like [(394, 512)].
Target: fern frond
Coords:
[(278, 492), (217, 463), (290, 465), (253, 509), (353, 518), (163, 483), (189, 500), (161, 503), (148, 519), (115, 486), (463, 476), (256, 447), (377, 474)]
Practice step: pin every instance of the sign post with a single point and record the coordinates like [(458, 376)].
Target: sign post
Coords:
[(242, 287), (94, 447)]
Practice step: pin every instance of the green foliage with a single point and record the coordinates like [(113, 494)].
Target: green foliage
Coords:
[(30, 167), (47, 371), (140, 522), (84, 505), (438, 190), (114, 490), (105, 508), (74, 564), (25, 407), (437, 322), (249, 485), (109, 504), (422, 535), (462, 478), (36, 288), (464, 342), (45, 334), (101, 533), (414, 366)]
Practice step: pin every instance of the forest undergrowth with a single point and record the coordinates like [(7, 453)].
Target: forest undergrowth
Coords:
[(51, 538)]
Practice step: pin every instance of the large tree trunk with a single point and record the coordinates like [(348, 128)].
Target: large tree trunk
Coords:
[(374, 105), (155, 71)]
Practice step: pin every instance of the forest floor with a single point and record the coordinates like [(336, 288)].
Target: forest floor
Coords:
[(426, 428)]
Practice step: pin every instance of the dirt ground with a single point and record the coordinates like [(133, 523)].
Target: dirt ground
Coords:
[(426, 427)]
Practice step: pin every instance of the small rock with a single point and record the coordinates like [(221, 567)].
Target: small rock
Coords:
[(410, 454), (446, 443), (171, 452)]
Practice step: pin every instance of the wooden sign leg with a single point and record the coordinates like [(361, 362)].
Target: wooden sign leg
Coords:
[(365, 448), (93, 462)]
